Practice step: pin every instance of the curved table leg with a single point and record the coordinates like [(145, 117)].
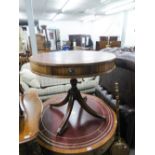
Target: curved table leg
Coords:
[(63, 102), (74, 94), (66, 117), (82, 102)]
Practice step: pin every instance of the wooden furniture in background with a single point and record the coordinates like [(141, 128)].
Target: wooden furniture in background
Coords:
[(115, 43), (41, 43), (29, 124), (47, 43), (24, 58), (101, 44), (80, 39), (103, 38), (113, 38), (97, 46), (85, 134), (105, 42)]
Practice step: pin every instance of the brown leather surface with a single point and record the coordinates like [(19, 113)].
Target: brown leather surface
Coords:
[(83, 133)]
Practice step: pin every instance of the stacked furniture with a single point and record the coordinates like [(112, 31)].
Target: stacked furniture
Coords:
[(40, 42), (82, 40), (103, 38), (105, 41), (40, 39)]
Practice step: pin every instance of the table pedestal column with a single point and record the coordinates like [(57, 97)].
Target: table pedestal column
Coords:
[(74, 94)]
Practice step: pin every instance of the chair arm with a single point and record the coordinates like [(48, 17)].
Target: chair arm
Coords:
[(108, 98), (104, 95), (24, 85)]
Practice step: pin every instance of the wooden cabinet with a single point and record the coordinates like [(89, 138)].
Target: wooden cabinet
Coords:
[(40, 40), (105, 41), (101, 44), (80, 39), (115, 43), (113, 38), (103, 38)]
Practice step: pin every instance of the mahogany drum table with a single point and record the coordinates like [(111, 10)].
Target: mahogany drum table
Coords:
[(73, 64), (85, 134)]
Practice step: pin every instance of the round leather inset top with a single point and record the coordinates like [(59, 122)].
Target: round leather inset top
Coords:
[(83, 133)]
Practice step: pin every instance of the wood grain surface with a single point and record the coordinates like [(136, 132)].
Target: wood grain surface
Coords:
[(29, 124), (72, 63)]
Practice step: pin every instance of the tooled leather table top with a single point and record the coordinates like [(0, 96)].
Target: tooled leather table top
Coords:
[(84, 132)]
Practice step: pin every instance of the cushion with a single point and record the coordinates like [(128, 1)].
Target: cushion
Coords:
[(24, 85), (28, 77), (34, 83), (88, 84), (51, 81)]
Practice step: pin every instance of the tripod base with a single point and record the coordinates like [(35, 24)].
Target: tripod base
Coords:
[(74, 94)]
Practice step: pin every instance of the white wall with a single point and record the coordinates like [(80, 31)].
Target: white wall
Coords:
[(108, 25), (130, 29), (67, 27)]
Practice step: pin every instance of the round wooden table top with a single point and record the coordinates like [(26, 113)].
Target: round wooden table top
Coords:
[(72, 63), (84, 132)]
